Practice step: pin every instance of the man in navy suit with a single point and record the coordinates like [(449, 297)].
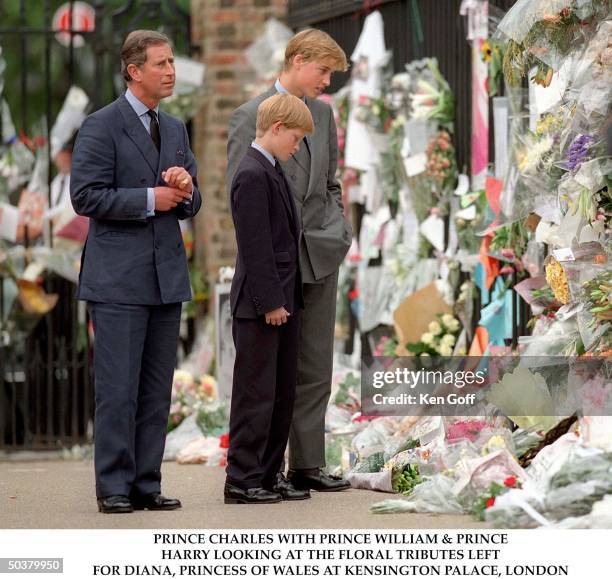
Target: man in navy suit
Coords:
[(265, 298), (134, 176)]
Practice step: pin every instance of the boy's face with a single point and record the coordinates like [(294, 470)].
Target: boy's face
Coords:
[(313, 77), (286, 142)]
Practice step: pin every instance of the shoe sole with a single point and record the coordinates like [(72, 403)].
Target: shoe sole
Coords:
[(157, 508), (119, 511), (243, 502), (325, 490)]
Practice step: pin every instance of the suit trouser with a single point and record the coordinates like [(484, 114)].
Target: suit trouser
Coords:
[(315, 368), (263, 393), (134, 358)]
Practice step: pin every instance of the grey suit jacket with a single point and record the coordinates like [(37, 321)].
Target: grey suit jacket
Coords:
[(130, 258), (326, 234)]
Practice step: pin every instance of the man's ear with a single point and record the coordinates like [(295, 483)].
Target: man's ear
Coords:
[(134, 71), (276, 127), (298, 61)]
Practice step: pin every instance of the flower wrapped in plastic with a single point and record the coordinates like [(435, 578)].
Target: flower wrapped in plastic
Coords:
[(190, 395), (542, 33), (433, 495), (430, 93)]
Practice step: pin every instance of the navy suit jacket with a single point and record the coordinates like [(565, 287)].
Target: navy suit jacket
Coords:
[(267, 232), (130, 258)]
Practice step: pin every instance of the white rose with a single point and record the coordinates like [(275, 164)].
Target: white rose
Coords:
[(435, 328), (424, 354), (454, 326), (427, 338), (448, 319), (445, 350), (449, 340)]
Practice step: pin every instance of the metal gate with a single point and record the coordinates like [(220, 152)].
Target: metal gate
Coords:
[(46, 385)]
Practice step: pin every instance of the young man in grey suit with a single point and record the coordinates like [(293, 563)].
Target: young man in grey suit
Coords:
[(311, 57), (134, 176)]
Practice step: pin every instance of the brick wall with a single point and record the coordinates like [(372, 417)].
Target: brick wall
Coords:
[(223, 29)]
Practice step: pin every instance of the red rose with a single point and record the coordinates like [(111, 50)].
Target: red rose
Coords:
[(224, 440), (510, 482), (353, 294), (490, 502)]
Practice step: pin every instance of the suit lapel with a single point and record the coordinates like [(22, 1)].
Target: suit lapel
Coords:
[(135, 129), (167, 133), (281, 182), (316, 141)]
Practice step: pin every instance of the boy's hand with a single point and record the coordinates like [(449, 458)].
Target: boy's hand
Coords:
[(277, 317)]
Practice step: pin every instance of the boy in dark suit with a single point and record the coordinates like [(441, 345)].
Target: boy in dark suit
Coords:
[(265, 298)]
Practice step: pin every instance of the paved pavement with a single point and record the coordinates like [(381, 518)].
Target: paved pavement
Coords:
[(59, 495)]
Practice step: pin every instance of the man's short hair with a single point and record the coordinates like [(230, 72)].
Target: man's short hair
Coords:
[(286, 109), (134, 49), (315, 45)]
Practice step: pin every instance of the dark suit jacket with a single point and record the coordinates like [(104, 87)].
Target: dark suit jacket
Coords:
[(267, 232), (129, 258)]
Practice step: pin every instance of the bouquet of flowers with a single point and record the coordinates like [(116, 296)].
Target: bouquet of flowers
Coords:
[(189, 395), (431, 96), (375, 113), (487, 499), (441, 164), (440, 338)]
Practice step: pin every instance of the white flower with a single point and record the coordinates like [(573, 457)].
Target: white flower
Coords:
[(427, 338), (454, 326), (435, 328), (447, 319), (424, 354), (445, 350), (448, 340)]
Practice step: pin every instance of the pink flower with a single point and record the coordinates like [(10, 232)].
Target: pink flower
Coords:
[(508, 253), (507, 269)]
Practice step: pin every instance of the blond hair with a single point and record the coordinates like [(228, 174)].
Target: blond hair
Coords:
[(315, 45), (286, 109), (134, 49)]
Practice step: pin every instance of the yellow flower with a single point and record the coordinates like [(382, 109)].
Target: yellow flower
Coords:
[(485, 51), (556, 279)]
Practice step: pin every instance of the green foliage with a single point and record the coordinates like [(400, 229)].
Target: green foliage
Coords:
[(513, 236), (405, 481)]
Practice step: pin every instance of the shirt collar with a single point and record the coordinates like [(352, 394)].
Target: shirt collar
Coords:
[(139, 107), (279, 87), (265, 153)]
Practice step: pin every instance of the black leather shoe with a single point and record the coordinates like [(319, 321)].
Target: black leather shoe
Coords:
[(287, 490), (115, 504), (255, 496), (155, 502), (321, 481)]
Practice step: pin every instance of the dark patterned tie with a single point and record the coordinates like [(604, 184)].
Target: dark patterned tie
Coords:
[(154, 128)]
